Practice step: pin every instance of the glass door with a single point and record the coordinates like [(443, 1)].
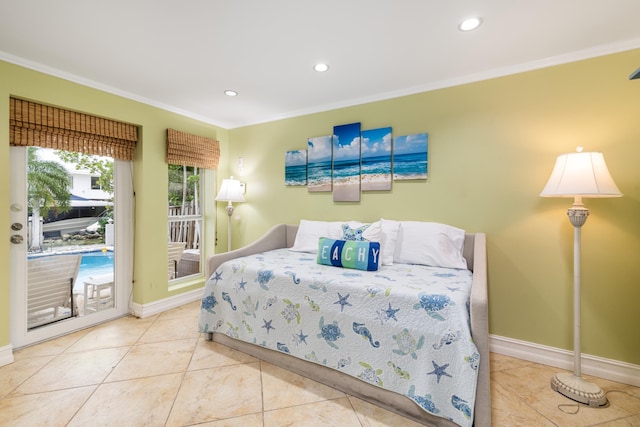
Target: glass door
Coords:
[(70, 253)]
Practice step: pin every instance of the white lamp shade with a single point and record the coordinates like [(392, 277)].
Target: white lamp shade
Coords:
[(580, 174), (230, 191)]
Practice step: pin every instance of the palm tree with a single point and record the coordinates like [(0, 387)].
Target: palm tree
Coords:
[(48, 188)]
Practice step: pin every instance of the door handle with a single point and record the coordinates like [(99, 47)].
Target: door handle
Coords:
[(16, 239), (16, 226)]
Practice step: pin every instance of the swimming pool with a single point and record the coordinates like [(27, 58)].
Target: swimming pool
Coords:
[(92, 264)]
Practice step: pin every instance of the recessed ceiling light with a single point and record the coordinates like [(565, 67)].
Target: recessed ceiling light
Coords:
[(470, 24), (321, 68), (230, 92)]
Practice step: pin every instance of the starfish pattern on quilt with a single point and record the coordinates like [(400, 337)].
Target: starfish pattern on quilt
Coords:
[(342, 300), (267, 325), (391, 312), (301, 337), (439, 371)]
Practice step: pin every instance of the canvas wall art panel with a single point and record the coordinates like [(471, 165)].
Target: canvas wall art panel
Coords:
[(346, 163), (410, 157), (295, 168), (376, 159), (319, 164)]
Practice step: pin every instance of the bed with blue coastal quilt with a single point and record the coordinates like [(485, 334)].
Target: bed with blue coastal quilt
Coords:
[(353, 316)]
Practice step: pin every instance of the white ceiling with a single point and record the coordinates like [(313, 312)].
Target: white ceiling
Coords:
[(182, 55)]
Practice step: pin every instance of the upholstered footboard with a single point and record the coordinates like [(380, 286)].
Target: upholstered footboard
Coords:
[(283, 236)]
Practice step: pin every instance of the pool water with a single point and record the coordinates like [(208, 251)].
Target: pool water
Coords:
[(93, 264)]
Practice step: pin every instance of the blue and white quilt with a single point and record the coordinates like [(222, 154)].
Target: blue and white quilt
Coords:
[(404, 327)]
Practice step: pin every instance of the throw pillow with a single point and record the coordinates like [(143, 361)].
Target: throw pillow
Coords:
[(370, 231), (355, 233), (360, 255)]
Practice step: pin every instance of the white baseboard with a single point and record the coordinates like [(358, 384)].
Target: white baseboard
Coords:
[(155, 307), (608, 369), (6, 355)]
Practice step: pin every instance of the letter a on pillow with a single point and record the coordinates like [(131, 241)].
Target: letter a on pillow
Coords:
[(360, 255)]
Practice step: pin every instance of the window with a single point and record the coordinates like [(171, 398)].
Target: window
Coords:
[(95, 183), (187, 157), (185, 221)]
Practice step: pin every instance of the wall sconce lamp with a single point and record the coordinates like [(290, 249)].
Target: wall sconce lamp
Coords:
[(230, 191), (579, 175)]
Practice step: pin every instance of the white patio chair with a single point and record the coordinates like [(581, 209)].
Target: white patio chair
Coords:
[(50, 281), (175, 252)]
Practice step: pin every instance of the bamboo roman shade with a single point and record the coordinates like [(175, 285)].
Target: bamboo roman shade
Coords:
[(192, 150), (38, 125)]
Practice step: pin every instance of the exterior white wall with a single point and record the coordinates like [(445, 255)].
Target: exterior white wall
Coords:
[(81, 186)]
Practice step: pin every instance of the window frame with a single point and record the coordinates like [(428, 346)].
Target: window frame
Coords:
[(178, 282)]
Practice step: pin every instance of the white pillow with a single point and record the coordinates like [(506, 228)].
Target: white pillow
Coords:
[(335, 230), (389, 235), (373, 233), (430, 243), (309, 232)]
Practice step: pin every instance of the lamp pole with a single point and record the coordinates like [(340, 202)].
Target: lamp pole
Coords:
[(573, 385), (577, 216), (229, 210)]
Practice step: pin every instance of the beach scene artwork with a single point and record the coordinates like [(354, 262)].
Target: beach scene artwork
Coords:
[(295, 168), (319, 164), (346, 163), (376, 159), (410, 157)]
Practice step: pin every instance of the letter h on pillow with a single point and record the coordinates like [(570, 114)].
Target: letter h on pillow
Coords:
[(360, 255)]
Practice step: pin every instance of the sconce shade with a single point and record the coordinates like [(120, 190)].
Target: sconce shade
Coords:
[(580, 174), (230, 191)]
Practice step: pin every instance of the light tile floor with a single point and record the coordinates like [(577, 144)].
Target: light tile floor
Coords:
[(159, 371)]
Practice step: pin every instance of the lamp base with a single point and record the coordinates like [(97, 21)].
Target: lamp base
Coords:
[(578, 389)]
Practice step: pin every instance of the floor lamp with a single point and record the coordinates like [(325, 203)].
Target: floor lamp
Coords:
[(579, 175), (230, 191)]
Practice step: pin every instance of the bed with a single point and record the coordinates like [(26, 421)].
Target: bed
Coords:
[(377, 335)]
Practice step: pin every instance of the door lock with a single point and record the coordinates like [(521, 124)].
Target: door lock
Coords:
[(16, 239), (16, 226)]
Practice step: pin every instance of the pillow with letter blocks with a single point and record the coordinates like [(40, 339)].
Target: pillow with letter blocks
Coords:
[(360, 255)]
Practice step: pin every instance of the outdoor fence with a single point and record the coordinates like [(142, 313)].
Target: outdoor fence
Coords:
[(184, 229)]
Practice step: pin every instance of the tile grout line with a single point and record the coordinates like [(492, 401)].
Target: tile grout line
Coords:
[(97, 386), (53, 358), (184, 374)]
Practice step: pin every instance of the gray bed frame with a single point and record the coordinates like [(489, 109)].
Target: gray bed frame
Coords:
[(283, 236)]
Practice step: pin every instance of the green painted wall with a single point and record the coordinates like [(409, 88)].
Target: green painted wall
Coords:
[(150, 175), (492, 146)]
